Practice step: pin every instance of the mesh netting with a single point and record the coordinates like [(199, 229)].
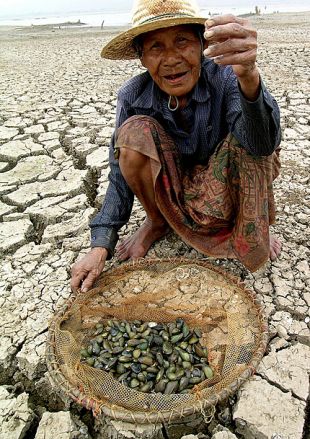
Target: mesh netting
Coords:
[(233, 329)]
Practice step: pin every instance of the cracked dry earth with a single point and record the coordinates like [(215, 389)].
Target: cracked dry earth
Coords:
[(57, 110)]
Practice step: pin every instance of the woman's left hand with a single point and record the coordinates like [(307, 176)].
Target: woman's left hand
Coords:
[(232, 41)]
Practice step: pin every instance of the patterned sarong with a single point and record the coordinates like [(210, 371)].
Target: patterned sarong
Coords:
[(222, 209)]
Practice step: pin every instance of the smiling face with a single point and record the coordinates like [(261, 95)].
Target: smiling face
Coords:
[(173, 58)]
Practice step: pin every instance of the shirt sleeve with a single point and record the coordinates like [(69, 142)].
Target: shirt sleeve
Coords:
[(118, 201), (256, 125)]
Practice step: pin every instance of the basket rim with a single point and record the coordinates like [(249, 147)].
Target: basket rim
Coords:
[(117, 412)]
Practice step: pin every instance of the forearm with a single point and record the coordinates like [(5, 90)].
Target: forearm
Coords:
[(115, 211), (260, 123), (258, 136), (104, 237), (255, 123), (250, 84)]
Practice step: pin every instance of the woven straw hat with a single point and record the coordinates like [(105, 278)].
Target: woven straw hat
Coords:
[(149, 15)]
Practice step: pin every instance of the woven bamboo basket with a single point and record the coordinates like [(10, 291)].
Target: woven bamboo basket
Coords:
[(229, 315)]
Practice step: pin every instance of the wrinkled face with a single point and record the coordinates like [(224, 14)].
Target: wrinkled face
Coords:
[(173, 58)]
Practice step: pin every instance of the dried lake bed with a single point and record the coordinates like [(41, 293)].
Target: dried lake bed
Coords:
[(57, 111)]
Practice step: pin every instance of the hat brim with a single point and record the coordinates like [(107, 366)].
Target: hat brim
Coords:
[(121, 46)]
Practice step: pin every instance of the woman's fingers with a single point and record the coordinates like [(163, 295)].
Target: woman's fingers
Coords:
[(244, 58), (77, 277), (230, 30), (89, 280), (230, 46), (231, 37), (232, 52), (231, 41), (84, 280), (219, 20)]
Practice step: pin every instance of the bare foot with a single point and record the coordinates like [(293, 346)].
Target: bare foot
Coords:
[(138, 244), (275, 247)]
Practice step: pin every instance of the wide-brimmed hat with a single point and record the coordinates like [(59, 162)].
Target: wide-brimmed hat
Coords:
[(149, 15)]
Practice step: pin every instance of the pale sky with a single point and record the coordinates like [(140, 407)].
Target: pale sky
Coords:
[(20, 7)]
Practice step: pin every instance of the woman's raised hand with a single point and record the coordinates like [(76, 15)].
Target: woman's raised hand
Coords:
[(231, 41)]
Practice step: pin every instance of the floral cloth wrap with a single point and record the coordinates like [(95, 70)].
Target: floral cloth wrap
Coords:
[(222, 209)]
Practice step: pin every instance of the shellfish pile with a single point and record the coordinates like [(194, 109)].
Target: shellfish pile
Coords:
[(149, 356)]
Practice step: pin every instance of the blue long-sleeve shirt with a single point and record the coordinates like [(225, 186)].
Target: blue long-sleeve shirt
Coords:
[(216, 107)]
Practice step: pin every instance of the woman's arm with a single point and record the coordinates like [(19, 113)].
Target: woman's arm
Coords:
[(255, 124), (252, 113), (115, 212)]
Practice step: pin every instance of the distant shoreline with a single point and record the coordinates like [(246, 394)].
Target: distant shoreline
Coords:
[(108, 19), (70, 27), (106, 27)]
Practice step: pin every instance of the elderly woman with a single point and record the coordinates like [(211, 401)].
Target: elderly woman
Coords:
[(194, 141)]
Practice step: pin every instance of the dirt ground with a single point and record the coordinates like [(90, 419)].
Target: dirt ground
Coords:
[(57, 111)]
